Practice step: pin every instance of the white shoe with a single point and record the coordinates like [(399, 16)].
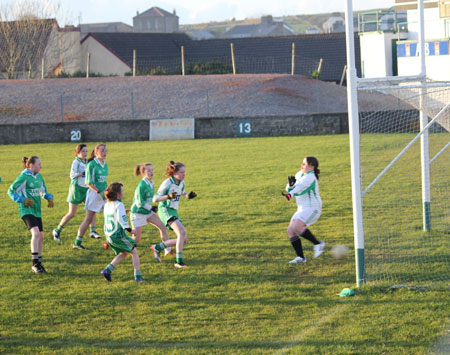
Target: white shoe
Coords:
[(56, 236), (168, 251), (298, 260), (318, 249), (95, 235)]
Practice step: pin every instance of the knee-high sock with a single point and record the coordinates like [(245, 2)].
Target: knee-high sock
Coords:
[(308, 235), (297, 245)]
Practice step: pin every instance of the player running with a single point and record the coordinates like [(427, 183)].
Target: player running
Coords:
[(27, 191), (305, 187), (96, 174), (142, 211), (115, 225), (77, 191), (169, 197)]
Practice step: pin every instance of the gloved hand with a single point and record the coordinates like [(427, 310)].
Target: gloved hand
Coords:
[(172, 195), (192, 194), (28, 202), (292, 180), (50, 202), (288, 196), (155, 209)]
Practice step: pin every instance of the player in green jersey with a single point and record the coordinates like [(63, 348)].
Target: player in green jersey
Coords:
[(142, 211), (116, 224), (168, 197), (96, 174), (27, 191), (305, 187), (77, 191)]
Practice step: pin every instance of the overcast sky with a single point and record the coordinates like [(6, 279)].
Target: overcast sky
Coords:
[(198, 11)]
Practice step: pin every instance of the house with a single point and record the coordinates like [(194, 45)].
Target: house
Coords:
[(41, 48), (156, 20), (105, 27), (334, 24), (267, 27)]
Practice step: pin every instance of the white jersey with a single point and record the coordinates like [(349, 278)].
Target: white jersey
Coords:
[(167, 187), (306, 191), (115, 218), (78, 167)]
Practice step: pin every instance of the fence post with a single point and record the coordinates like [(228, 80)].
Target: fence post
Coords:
[(232, 58), (42, 68), (319, 68), (88, 64), (62, 108), (132, 105), (207, 101), (343, 75), (134, 64), (182, 60), (293, 59)]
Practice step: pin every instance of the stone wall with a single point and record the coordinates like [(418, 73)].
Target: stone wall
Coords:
[(205, 127)]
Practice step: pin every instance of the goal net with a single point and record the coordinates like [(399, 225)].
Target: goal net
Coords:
[(405, 187)]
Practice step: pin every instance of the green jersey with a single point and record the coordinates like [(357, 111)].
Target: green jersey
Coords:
[(96, 174), (167, 187), (31, 186), (143, 195)]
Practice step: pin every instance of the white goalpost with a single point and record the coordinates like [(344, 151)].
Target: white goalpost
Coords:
[(399, 195)]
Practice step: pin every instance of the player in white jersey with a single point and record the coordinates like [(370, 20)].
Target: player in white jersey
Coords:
[(142, 211), (305, 187), (168, 196), (116, 224), (77, 191)]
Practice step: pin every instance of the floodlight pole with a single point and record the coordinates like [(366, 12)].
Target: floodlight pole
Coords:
[(424, 139), (353, 123)]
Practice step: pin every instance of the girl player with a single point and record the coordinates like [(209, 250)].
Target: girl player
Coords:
[(77, 191), (305, 187), (142, 213), (169, 197), (96, 174), (27, 190), (115, 225)]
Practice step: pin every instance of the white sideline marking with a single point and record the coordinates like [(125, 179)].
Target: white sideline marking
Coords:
[(312, 327)]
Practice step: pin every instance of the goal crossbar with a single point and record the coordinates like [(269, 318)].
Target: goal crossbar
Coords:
[(406, 148)]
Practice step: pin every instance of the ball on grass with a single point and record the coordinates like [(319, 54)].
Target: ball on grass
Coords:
[(340, 251)]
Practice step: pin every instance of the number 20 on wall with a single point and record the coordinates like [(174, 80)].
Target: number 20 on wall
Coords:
[(244, 128)]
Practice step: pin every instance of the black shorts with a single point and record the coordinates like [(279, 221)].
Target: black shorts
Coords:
[(172, 219), (33, 221)]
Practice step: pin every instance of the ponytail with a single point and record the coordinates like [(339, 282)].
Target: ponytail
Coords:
[(312, 161), (173, 167), (112, 191), (140, 169), (28, 161)]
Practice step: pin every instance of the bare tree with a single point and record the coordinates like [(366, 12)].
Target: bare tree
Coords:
[(26, 30)]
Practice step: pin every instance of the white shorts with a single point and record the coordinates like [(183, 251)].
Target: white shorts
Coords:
[(139, 219), (308, 216), (94, 201)]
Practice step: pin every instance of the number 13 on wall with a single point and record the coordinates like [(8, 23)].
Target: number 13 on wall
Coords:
[(244, 128)]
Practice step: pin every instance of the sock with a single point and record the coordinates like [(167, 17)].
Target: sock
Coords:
[(161, 246), (137, 274), (110, 268), (297, 245), (92, 229), (34, 258), (59, 228), (179, 257), (308, 235), (78, 240), (40, 258)]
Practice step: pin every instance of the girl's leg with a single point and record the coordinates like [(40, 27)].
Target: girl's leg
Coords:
[(164, 233), (93, 229), (90, 215), (137, 236), (34, 244), (136, 265), (72, 212), (180, 231), (295, 228), (106, 272)]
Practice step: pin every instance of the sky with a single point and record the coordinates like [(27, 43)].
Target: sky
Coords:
[(199, 11)]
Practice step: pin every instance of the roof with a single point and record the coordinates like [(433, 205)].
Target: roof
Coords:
[(106, 27), (253, 55), (155, 12)]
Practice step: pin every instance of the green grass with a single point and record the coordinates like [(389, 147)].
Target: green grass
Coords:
[(238, 295)]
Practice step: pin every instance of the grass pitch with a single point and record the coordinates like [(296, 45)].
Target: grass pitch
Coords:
[(238, 295)]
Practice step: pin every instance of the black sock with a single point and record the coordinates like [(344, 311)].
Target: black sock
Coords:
[(297, 245), (34, 258), (40, 258), (308, 235)]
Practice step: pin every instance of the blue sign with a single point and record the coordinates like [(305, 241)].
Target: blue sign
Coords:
[(432, 48), (244, 128)]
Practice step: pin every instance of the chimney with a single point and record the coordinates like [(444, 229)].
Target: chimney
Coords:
[(137, 12), (266, 20), (174, 12)]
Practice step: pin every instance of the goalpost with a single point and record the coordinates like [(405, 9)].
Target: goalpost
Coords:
[(400, 213)]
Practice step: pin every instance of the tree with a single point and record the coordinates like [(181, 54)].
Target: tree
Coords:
[(27, 30)]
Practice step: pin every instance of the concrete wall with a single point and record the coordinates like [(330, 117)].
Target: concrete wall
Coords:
[(204, 128)]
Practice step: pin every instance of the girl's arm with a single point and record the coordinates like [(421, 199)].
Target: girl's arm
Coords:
[(93, 188), (301, 185), (162, 194), (17, 185)]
